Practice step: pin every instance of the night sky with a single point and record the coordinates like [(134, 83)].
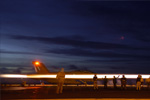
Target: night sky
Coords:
[(96, 36)]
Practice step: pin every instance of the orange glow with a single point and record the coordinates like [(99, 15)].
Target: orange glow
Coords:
[(73, 76), (37, 63)]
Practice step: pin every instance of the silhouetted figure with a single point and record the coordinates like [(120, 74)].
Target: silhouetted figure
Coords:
[(95, 82), (115, 82), (61, 78), (138, 83), (105, 82), (123, 82), (148, 83)]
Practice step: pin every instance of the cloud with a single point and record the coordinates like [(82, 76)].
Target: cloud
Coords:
[(9, 65), (73, 67), (72, 42), (143, 37), (94, 61), (88, 53), (18, 71), (5, 70), (138, 31), (129, 18), (18, 52)]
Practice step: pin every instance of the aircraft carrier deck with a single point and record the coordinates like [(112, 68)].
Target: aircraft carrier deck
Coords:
[(72, 92)]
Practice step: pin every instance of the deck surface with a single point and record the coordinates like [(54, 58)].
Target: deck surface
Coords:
[(49, 92)]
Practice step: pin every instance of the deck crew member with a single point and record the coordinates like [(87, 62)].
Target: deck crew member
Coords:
[(60, 78)]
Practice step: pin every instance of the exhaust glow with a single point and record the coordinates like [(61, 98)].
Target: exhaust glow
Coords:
[(41, 76), (74, 76)]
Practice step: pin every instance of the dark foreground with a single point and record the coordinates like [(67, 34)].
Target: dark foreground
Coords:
[(48, 92)]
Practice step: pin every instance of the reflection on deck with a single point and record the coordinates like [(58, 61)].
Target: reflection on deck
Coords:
[(72, 92), (39, 85)]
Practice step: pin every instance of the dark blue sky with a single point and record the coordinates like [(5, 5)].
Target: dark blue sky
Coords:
[(102, 37)]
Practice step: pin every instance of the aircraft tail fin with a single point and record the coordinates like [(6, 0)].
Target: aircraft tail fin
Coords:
[(40, 68)]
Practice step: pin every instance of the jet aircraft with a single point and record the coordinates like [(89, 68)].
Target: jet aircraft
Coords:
[(74, 77), (40, 68)]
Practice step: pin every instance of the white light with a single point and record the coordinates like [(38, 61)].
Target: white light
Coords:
[(74, 76), (13, 76), (79, 76)]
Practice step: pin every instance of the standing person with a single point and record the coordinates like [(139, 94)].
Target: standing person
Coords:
[(115, 82), (61, 78), (95, 82), (138, 83), (105, 82), (123, 82), (148, 83)]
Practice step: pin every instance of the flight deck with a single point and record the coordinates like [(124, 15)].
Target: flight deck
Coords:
[(73, 92)]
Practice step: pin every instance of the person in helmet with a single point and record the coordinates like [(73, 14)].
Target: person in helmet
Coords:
[(95, 82), (60, 78)]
